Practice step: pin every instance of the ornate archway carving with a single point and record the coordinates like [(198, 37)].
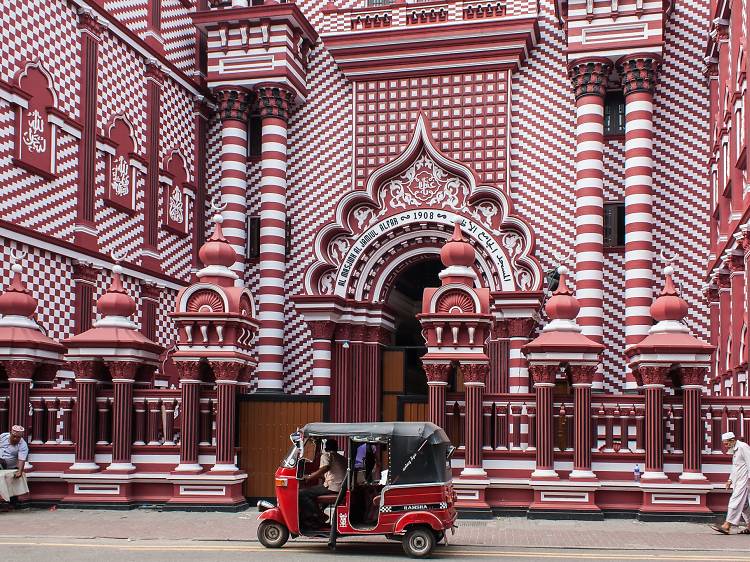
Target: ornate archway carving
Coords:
[(413, 202)]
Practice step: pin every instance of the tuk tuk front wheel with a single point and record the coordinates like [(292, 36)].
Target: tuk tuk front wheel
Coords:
[(418, 542), (272, 534)]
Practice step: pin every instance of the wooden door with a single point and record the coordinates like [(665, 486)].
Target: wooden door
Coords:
[(393, 382), (264, 426)]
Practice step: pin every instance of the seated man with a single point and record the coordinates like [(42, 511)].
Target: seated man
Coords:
[(13, 454), (333, 468)]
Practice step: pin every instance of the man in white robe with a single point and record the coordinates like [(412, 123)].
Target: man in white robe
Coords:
[(738, 507)]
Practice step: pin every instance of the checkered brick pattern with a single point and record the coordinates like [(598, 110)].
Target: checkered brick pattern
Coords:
[(48, 277), (177, 133), (179, 34), (132, 13), (680, 192), (614, 320), (166, 330), (44, 31), (466, 113), (29, 200)]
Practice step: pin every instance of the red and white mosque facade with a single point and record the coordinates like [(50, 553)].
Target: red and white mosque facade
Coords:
[(201, 200)]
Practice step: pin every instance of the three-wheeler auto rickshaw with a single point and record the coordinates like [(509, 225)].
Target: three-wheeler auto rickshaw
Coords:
[(410, 498)]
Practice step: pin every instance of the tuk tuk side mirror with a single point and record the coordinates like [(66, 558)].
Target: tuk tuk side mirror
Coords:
[(300, 467), (451, 450)]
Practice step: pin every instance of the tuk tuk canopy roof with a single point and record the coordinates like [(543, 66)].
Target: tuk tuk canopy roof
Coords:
[(430, 432)]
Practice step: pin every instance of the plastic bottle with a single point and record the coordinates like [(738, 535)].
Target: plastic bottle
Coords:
[(637, 473)]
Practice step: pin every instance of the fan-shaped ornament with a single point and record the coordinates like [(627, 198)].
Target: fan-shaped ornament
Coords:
[(205, 302), (455, 302), (246, 308)]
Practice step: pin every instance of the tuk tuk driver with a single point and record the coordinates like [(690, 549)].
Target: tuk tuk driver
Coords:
[(333, 470)]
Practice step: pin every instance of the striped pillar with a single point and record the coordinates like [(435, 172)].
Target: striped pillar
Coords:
[(692, 379), (653, 379), (638, 74), (226, 373), (190, 388), (475, 375), (589, 78), (322, 345), (583, 377), (437, 382), (233, 110), (85, 373), (274, 104), (518, 368), (123, 378), (544, 383)]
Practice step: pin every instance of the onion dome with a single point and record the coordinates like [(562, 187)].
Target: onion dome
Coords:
[(669, 305), (457, 251), (116, 301), (17, 299), (217, 254), (562, 305)]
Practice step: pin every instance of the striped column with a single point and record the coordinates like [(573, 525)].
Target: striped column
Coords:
[(475, 376), (692, 379), (85, 373), (274, 104), (226, 374), (589, 78), (638, 74), (233, 110), (123, 378), (437, 382), (583, 377), (518, 368), (544, 383), (653, 379)]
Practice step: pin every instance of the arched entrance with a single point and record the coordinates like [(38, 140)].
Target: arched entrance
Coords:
[(404, 386)]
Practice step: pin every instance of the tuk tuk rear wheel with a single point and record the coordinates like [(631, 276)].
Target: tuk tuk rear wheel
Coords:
[(418, 542), (272, 534)]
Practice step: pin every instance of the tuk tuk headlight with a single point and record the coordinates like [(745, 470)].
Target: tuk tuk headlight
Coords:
[(282, 482)]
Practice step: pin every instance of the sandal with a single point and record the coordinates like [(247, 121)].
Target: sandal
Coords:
[(720, 529), (744, 532)]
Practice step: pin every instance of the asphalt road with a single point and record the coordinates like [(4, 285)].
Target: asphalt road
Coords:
[(110, 550)]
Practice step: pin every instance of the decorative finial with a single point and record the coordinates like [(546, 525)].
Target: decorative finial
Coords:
[(17, 299), (669, 308), (116, 305)]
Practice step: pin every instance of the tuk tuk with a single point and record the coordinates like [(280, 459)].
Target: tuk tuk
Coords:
[(409, 499)]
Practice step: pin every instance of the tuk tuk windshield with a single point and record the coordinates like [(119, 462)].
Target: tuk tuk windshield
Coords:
[(290, 461)]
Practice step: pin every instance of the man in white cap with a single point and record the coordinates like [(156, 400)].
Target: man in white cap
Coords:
[(13, 454), (738, 480)]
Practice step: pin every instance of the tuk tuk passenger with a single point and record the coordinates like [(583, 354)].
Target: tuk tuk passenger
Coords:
[(333, 470)]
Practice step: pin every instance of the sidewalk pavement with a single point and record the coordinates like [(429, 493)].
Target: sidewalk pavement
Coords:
[(518, 532)]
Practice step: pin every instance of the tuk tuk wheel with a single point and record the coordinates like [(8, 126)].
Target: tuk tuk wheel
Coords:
[(272, 534), (418, 542)]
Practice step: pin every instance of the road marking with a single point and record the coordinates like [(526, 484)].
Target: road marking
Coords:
[(449, 551)]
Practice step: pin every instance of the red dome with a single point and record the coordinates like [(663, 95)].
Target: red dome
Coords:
[(216, 250), (116, 301), (562, 305), (17, 299), (669, 305), (457, 251)]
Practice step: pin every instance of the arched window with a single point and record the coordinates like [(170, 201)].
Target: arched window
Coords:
[(728, 355), (36, 132), (177, 195), (743, 345), (122, 166)]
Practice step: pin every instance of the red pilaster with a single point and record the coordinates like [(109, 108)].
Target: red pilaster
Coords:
[(275, 103), (544, 382), (475, 375), (190, 387), (38, 434), (123, 377), (437, 381), (226, 373), (154, 80), (20, 375), (653, 379), (85, 227), (322, 333), (582, 376), (52, 407), (692, 379), (589, 79), (86, 381)]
